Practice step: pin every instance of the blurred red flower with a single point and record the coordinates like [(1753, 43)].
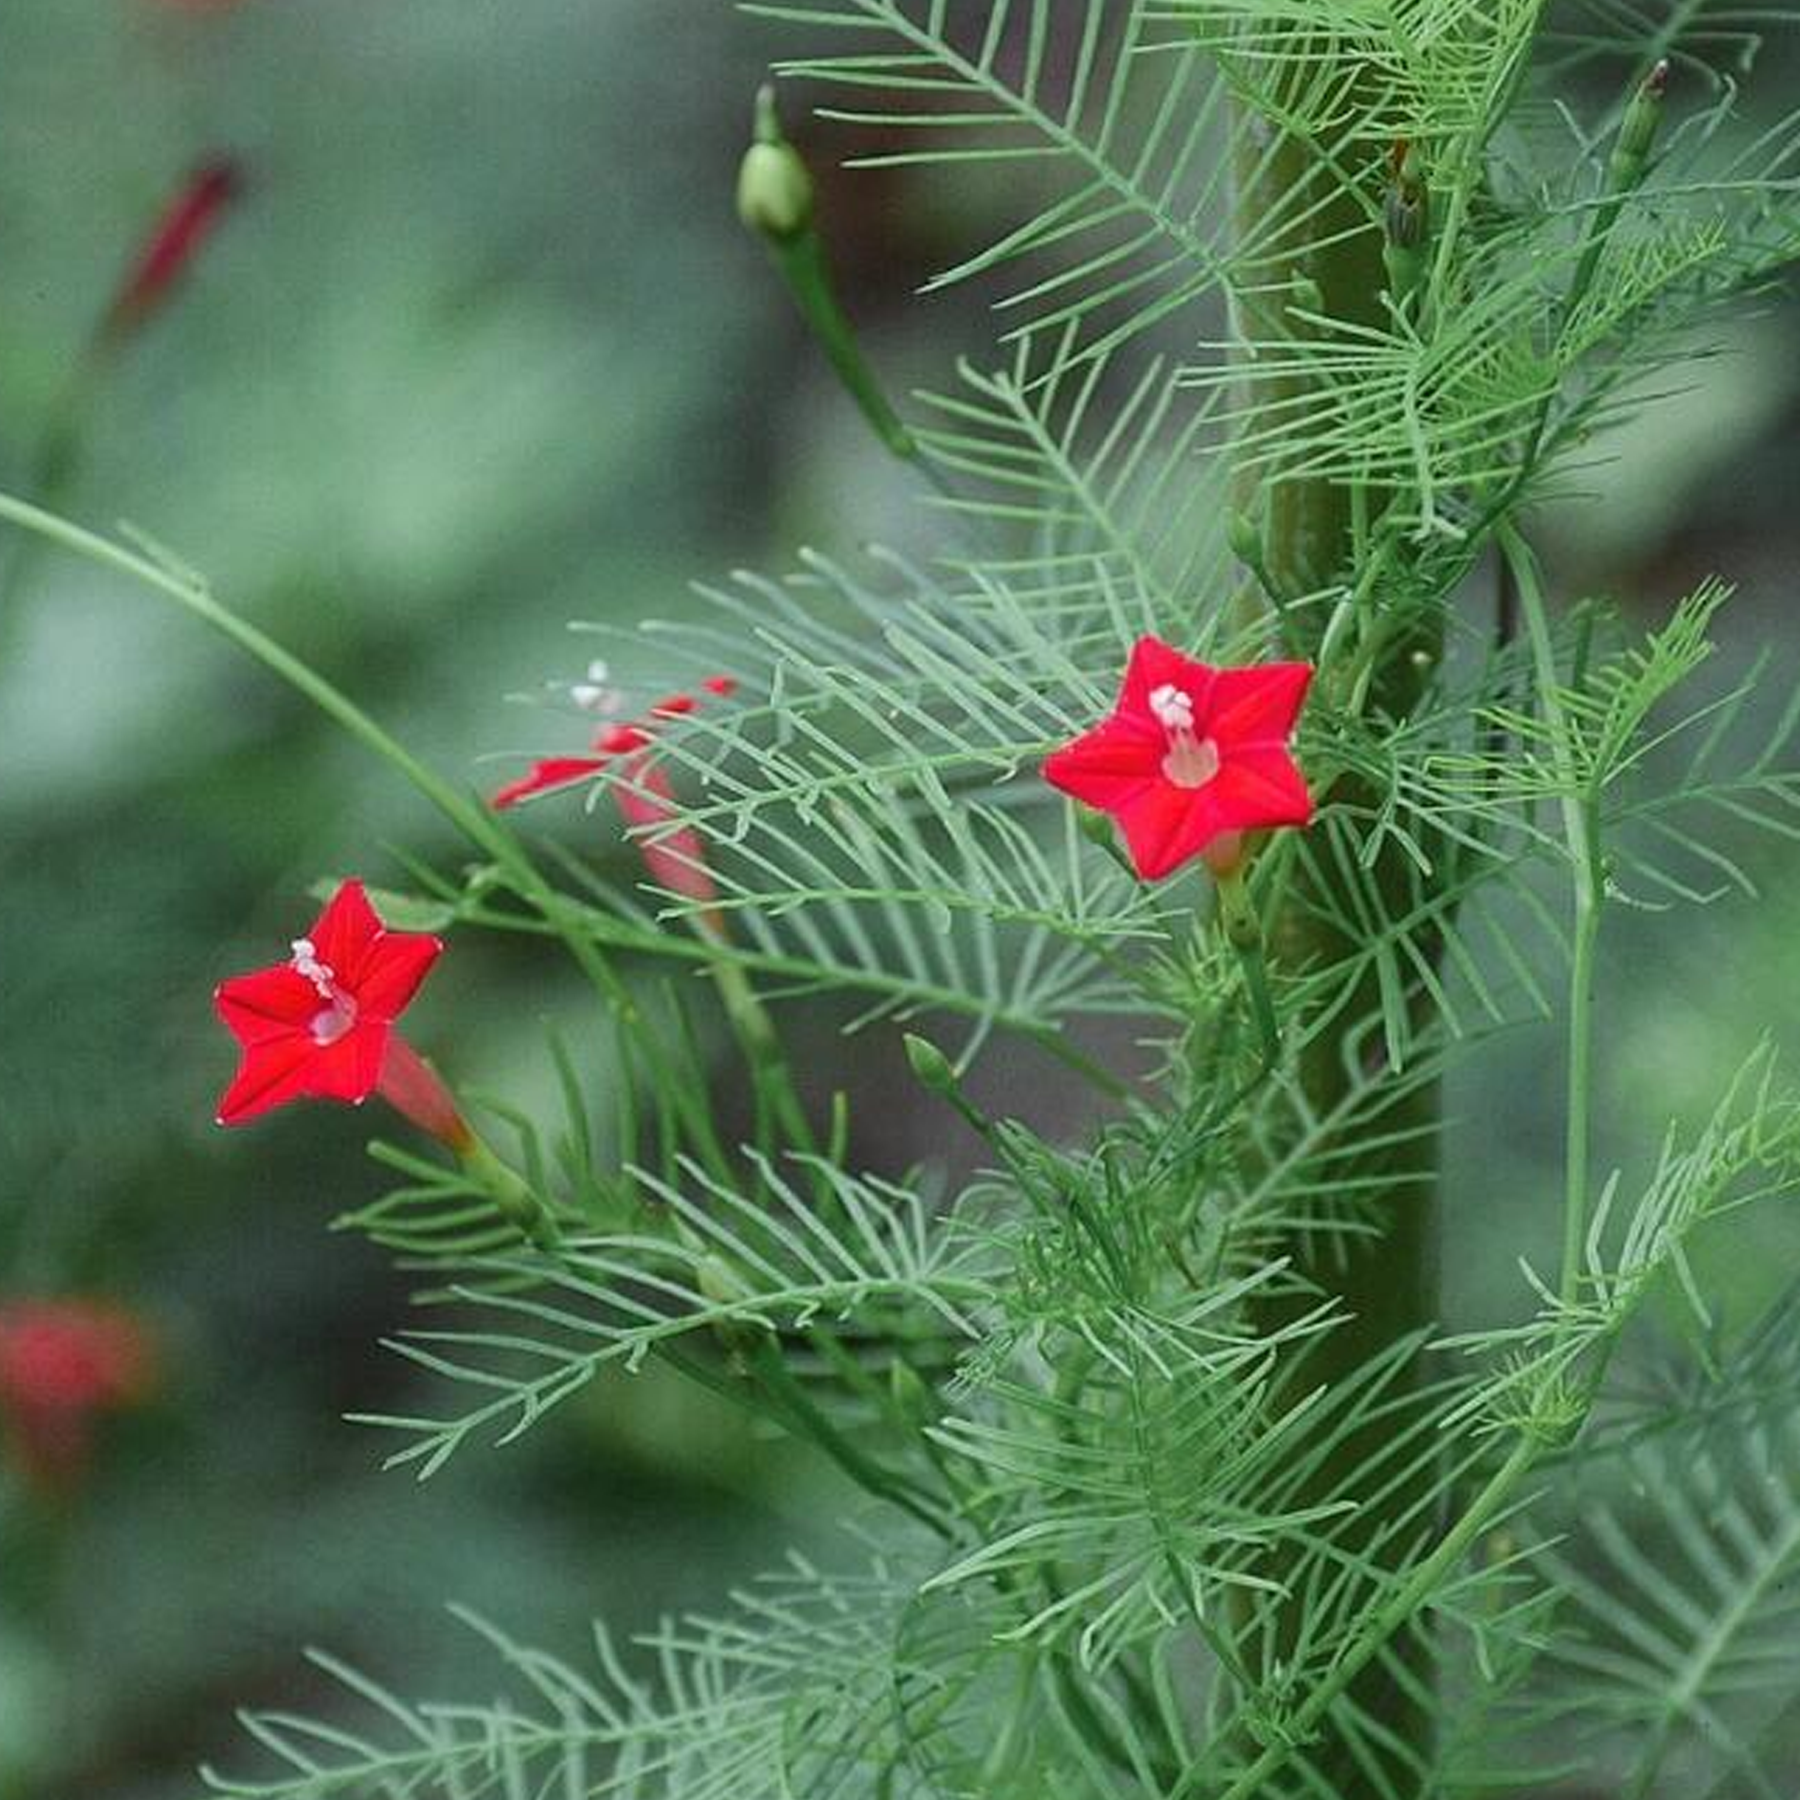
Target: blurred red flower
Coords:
[(62, 1363), (173, 242), (1190, 756)]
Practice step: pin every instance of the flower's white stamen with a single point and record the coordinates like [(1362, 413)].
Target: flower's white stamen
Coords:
[(595, 693), (306, 962), (338, 1013), (1190, 764), (1174, 708)]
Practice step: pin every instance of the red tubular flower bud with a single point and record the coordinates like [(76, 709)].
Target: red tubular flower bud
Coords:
[(174, 241), (415, 1090)]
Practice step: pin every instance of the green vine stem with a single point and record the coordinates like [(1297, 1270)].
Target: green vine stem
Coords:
[(1311, 530), (1581, 833)]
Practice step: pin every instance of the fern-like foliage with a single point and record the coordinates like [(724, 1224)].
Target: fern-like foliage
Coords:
[(1160, 1524), (1674, 1637)]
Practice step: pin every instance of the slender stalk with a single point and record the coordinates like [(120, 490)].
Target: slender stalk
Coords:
[(1624, 172), (1405, 1604), (1582, 836), (772, 1373), (770, 1072)]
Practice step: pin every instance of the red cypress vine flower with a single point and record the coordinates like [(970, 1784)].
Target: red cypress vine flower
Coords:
[(1191, 757), (675, 858), (62, 1363), (321, 1025), (174, 240)]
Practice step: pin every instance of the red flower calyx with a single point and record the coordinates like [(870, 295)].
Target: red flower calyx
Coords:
[(1191, 757), (320, 1026)]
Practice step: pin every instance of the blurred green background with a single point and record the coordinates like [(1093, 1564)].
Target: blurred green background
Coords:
[(481, 349)]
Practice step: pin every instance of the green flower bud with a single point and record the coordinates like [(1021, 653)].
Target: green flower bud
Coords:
[(1406, 216), (913, 1399), (1244, 538), (1408, 209), (1637, 131), (774, 191), (930, 1064), (938, 1075)]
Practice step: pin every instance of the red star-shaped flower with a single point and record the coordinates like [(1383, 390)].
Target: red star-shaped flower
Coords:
[(1190, 754), (320, 1025)]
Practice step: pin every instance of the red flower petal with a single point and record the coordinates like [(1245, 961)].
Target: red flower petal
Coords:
[(1257, 705), (1260, 788), (553, 772), (1166, 825), (343, 933), (391, 972), (266, 1004), (675, 856), (1154, 663), (349, 1069), (620, 740), (271, 1074), (1106, 766)]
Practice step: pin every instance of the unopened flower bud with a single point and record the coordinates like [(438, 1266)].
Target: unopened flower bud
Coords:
[(1637, 131), (1406, 215), (930, 1064), (1244, 538), (774, 191), (913, 1399), (174, 240), (1408, 211)]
